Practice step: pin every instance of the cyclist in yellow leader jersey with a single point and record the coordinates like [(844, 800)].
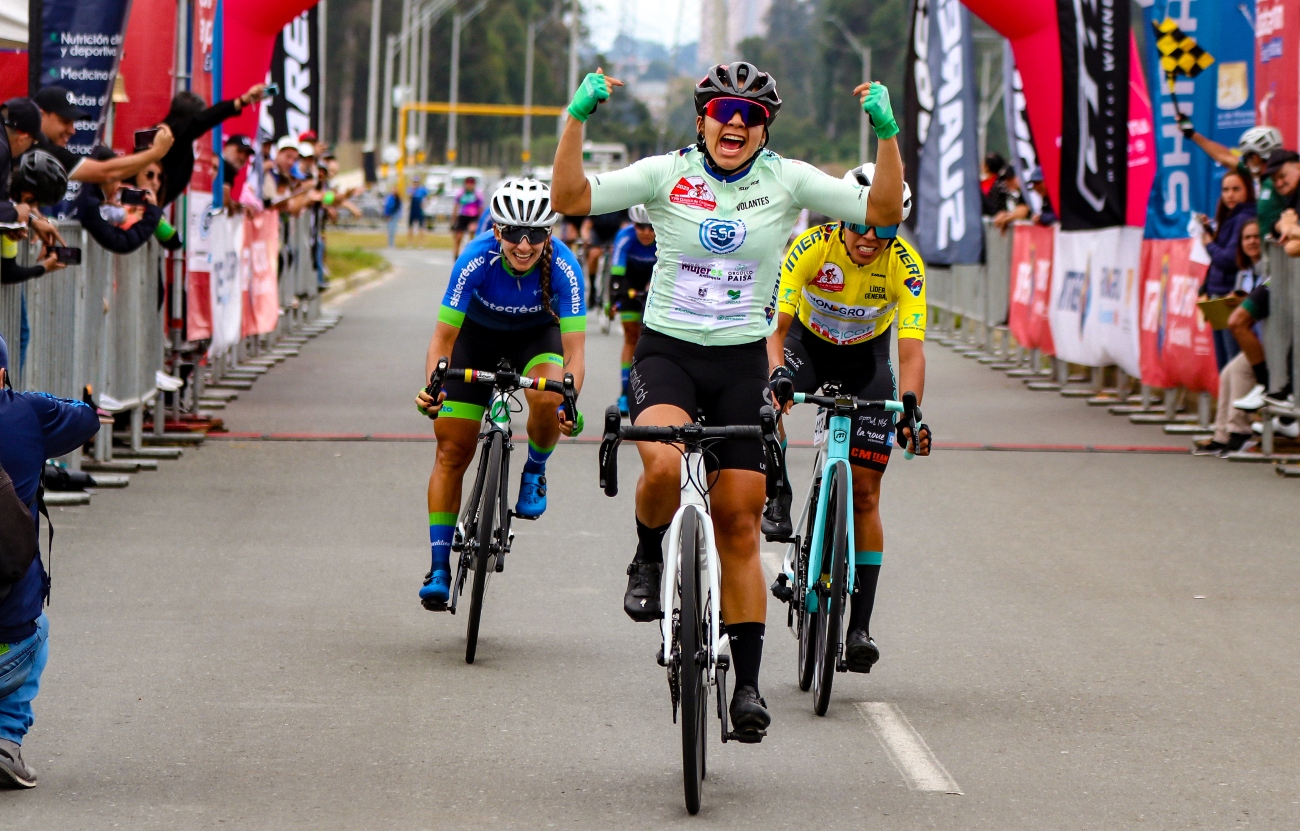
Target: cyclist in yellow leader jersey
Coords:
[(843, 285)]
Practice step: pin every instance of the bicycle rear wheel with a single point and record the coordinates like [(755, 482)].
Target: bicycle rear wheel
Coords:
[(487, 504), (694, 669), (805, 621), (835, 558)]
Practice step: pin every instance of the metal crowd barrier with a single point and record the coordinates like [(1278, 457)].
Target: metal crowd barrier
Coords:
[(1281, 338), (98, 325)]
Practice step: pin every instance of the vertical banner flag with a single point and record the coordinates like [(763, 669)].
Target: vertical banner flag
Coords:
[(1031, 282), (942, 114), (1095, 297), (1094, 113), (1024, 156), (258, 259), (1277, 66), (295, 67), (205, 13), (1141, 140), (225, 242), (1177, 342), (76, 44), (198, 303), (1217, 94)]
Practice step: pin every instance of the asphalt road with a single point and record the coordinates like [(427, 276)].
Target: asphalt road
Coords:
[(1081, 640)]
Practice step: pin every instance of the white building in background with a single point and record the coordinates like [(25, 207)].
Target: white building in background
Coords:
[(725, 23)]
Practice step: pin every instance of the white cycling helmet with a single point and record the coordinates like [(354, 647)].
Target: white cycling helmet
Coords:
[(523, 202), (638, 215), (863, 176), (1260, 141)]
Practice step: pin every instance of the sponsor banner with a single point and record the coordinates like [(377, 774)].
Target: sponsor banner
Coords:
[(1277, 66), (198, 305), (1095, 297), (1031, 285), (1024, 156), (1220, 102), (1141, 140), (1094, 113), (76, 44), (225, 241), (205, 12), (942, 113), (258, 273), (296, 68), (1177, 342)]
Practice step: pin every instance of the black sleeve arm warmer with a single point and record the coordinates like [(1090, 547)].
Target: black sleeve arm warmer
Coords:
[(12, 272)]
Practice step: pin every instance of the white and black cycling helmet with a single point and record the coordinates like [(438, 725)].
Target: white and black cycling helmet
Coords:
[(863, 175), (639, 215), (738, 80), (523, 203), (1261, 141), (41, 175)]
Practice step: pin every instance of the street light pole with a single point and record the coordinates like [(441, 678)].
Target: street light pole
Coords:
[(372, 93), (386, 127), (573, 61), (527, 155), (423, 86), (864, 52), (458, 22)]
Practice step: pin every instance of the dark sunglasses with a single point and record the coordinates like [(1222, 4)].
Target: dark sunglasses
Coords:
[(515, 234), (644, 226), (723, 110), (882, 231)]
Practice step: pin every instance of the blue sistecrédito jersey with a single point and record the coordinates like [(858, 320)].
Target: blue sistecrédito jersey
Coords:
[(486, 292), (630, 256)]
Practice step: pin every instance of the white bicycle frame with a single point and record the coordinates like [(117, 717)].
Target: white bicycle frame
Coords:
[(693, 499)]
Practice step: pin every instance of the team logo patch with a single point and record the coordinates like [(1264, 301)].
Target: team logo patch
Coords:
[(829, 278), (722, 236), (693, 192), (914, 285)]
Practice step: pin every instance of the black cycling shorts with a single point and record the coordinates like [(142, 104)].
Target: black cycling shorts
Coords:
[(604, 227), (723, 385), (479, 347), (861, 369), (627, 292), (464, 223)]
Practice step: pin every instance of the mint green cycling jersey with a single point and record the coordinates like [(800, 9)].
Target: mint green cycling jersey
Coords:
[(720, 241)]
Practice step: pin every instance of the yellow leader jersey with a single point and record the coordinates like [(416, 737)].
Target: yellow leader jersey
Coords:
[(846, 303)]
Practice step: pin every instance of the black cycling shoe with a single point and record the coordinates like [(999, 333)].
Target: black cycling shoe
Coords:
[(641, 600), (777, 526), (749, 718), (860, 651)]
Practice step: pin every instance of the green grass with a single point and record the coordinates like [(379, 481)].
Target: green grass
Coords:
[(344, 261)]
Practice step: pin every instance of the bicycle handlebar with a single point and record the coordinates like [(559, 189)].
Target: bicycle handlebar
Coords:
[(504, 379), (907, 408)]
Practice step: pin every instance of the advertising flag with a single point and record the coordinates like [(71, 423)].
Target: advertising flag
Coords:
[(1094, 297), (225, 242), (1219, 100), (1031, 283), (1094, 113), (1277, 66), (941, 116), (1177, 342), (296, 69), (76, 44), (1023, 153)]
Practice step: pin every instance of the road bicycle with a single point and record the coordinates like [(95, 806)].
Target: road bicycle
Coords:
[(483, 536), (693, 640), (818, 570)]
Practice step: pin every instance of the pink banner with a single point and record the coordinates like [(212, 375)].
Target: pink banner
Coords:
[(258, 266), (1031, 281), (1277, 67), (198, 305), (1141, 141), (1177, 345), (147, 69)]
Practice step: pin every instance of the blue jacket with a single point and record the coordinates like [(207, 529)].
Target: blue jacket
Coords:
[(34, 427), (1222, 276)]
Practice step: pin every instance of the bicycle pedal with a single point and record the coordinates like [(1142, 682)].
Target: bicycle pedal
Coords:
[(781, 588), (501, 563), (433, 606), (746, 736), (521, 516), (659, 657)]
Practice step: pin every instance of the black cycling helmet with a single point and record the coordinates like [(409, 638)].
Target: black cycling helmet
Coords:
[(738, 80), (41, 175)]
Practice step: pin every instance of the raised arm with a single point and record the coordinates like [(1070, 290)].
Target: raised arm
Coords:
[(1222, 155), (885, 202), (570, 191)]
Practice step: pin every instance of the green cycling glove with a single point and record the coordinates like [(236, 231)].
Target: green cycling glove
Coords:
[(876, 105), (593, 89)]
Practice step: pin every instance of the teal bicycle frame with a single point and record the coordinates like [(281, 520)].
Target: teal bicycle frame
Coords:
[(834, 452)]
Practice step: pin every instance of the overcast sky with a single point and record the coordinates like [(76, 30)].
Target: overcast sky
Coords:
[(655, 20)]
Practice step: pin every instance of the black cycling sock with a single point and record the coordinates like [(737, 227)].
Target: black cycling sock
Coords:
[(864, 599), (650, 543), (1261, 373), (746, 651)]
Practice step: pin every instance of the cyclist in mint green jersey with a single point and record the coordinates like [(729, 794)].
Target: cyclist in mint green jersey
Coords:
[(722, 210)]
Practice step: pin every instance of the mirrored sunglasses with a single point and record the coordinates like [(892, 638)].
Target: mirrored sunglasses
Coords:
[(515, 234), (723, 110), (882, 231)]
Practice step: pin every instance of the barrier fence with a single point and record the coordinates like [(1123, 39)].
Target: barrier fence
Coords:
[(101, 327), (971, 307)]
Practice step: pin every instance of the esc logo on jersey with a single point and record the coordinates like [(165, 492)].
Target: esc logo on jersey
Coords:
[(722, 236)]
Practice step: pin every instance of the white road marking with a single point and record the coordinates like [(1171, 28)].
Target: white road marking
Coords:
[(906, 749)]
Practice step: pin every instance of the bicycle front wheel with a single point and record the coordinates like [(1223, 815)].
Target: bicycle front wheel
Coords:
[(835, 559), (492, 450), (694, 665), (805, 621)]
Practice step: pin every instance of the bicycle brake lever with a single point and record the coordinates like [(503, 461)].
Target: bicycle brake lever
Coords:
[(609, 451), (436, 379), (909, 422), (776, 466), (570, 399)]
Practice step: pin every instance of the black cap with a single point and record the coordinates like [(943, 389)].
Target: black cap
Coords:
[(1276, 159), (23, 115), (240, 140), (61, 102)]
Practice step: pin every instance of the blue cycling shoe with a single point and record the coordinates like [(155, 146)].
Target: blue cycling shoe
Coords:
[(436, 590), (622, 406), (532, 496)]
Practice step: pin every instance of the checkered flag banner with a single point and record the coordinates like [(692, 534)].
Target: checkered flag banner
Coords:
[(1179, 52)]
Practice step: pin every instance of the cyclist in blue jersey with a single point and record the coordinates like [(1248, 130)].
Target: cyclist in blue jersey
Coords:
[(515, 294), (722, 210), (484, 223), (633, 261)]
